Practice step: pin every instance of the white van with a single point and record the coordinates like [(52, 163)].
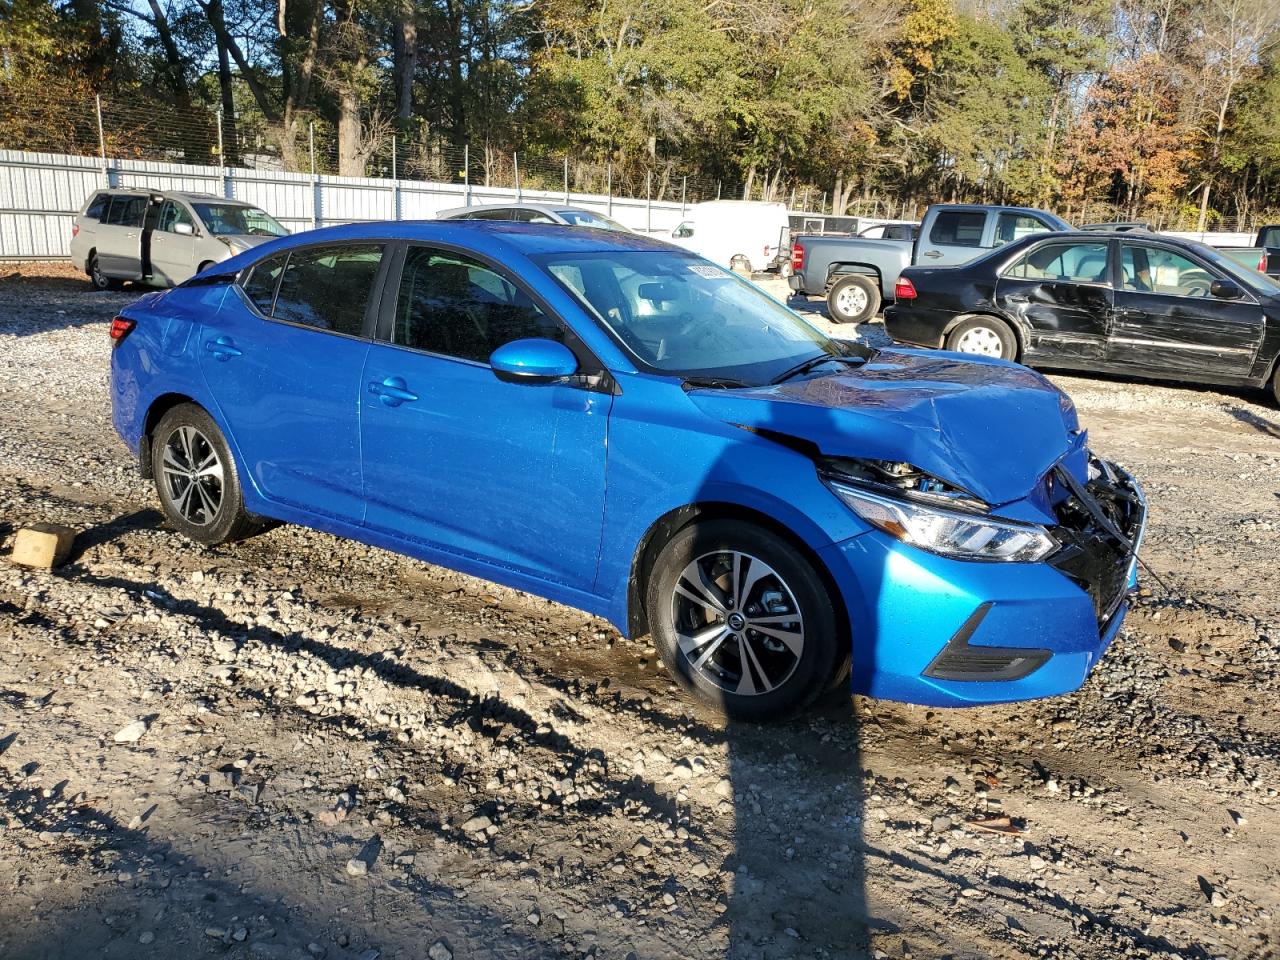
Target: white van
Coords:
[(732, 233)]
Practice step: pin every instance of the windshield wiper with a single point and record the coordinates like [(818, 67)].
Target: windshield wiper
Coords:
[(812, 362), (722, 383)]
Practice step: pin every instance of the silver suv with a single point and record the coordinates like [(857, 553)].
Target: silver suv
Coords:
[(161, 237)]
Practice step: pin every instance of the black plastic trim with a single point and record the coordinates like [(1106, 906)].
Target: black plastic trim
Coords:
[(961, 660)]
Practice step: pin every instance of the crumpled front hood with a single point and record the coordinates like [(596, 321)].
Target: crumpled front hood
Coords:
[(991, 427)]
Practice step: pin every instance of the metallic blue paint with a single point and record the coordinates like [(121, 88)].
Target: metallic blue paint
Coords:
[(554, 488), (534, 359)]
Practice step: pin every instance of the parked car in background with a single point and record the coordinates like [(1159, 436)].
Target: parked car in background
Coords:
[(896, 230), (1263, 256), (534, 213), (614, 423), (747, 234), (1123, 303), (856, 275), (162, 238), (1118, 226)]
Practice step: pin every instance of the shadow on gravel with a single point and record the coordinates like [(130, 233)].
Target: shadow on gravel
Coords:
[(183, 905), (799, 885), (1258, 423), (148, 518), (450, 705)]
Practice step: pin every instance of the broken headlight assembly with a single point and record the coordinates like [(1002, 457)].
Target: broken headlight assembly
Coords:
[(931, 514)]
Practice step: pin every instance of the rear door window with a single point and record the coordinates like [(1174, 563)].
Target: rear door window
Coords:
[(328, 288), (958, 228), (1077, 262), (126, 211)]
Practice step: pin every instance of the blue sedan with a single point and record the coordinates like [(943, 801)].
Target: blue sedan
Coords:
[(613, 423)]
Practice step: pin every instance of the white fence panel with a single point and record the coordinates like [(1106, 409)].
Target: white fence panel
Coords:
[(40, 194)]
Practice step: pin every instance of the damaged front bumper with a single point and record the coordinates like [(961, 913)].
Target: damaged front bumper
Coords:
[(942, 632)]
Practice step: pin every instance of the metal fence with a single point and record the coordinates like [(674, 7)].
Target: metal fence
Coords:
[(40, 194)]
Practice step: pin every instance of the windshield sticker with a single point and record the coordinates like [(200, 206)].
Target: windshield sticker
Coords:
[(708, 272)]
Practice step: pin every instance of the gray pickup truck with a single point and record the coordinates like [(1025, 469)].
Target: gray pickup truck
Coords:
[(1263, 256), (857, 274)]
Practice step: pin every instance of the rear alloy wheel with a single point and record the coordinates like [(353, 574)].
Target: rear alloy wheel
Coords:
[(196, 478), (853, 299), (983, 336), (742, 620)]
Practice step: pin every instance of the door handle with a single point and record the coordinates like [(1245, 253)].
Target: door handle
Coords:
[(933, 253), (1131, 314), (392, 391), (1018, 298), (223, 348)]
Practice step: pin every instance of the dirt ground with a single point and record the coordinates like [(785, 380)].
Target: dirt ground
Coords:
[(304, 747)]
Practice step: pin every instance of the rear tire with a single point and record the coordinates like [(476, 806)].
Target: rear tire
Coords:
[(853, 299), (196, 478), (762, 656), (984, 337), (1275, 384), (98, 279)]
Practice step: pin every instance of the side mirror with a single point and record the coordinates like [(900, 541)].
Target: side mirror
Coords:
[(682, 231), (185, 229), (533, 361), (1225, 290)]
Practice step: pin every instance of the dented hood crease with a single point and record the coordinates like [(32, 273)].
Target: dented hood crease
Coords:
[(991, 427)]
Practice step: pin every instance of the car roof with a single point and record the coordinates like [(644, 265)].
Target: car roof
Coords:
[(485, 236), (189, 196)]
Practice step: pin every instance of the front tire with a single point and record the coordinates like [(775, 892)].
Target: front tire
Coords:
[(742, 620), (1275, 384), (984, 337), (853, 299), (196, 478)]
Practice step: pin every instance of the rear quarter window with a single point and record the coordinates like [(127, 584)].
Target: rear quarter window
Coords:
[(260, 285), (97, 207)]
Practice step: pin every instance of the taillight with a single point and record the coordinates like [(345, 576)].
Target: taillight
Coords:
[(121, 327), (1262, 262), (904, 289), (797, 255), (75, 229)]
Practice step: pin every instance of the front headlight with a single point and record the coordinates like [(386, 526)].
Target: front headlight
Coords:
[(962, 536)]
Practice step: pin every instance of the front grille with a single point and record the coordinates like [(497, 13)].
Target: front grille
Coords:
[(1099, 523)]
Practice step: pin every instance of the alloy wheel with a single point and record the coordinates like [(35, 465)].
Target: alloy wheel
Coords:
[(981, 340), (737, 622), (193, 475), (852, 300)]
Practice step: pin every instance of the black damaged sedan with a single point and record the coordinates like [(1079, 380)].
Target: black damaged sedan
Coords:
[(1124, 303)]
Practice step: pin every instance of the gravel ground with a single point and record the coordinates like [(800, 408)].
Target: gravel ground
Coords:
[(304, 747)]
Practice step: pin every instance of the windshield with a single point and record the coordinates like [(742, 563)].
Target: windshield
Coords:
[(679, 314), (226, 220), (585, 218), (1258, 282)]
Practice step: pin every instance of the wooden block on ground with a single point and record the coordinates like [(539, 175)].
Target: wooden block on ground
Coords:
[(43, 545)]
